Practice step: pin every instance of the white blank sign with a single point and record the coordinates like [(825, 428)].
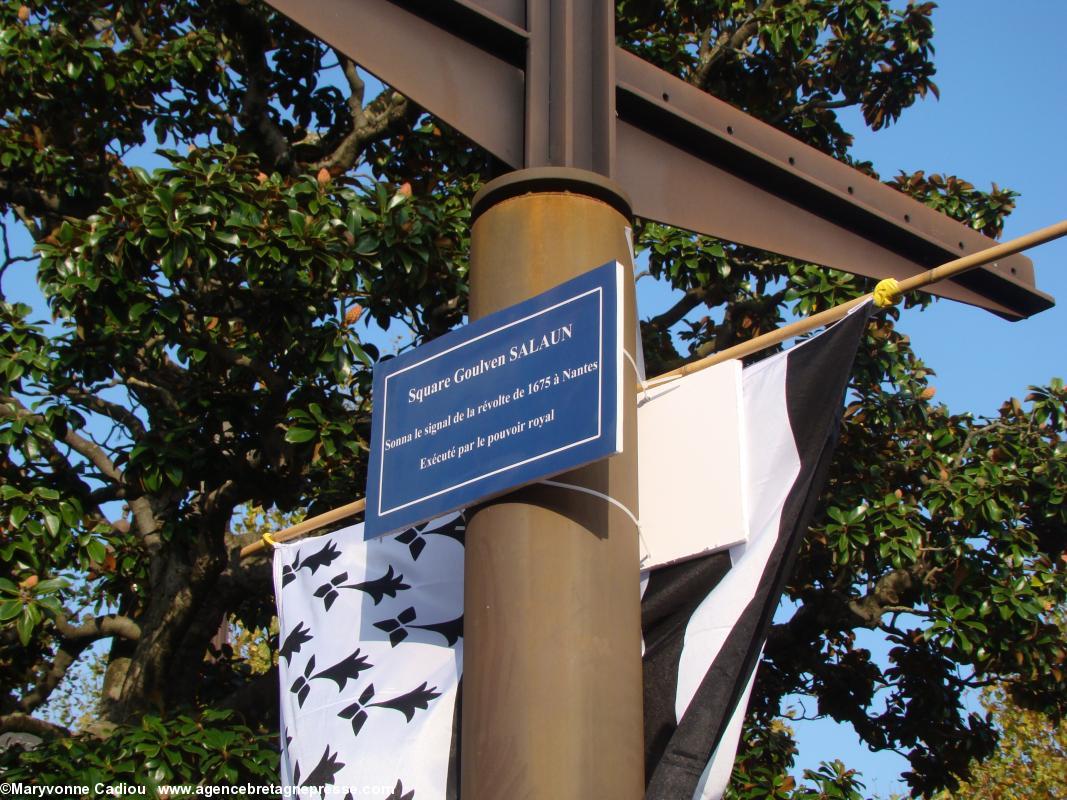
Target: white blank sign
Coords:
[(690, 461)]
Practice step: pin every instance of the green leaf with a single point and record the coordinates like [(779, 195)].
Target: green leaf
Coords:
[(18, 515), (70, 514), (25, 625), (50, 586), (52, 522), (359, 353), (9, 609), (296, 221), (228, 237), (152, 480), (299, 435), (166, 198), (96, 550)]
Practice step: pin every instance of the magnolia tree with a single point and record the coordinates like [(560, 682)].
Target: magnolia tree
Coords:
[(1031, 757), (207, 353)]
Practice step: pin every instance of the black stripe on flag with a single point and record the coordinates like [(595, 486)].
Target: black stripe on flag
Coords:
[(672, 595), (814, 377)]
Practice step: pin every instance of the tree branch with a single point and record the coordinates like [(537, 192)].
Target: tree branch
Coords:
[(136, 32), (99, 628), (96, 455), (144, 516), (165, 394), (829, 610), (809, 105), (253, 37), (973, 434), (49, 675), (387, 113), (24, 723), (74, 639), (221, 499), (63, 472), (8, 258), (36, 201), (235, 359), (356, 86), (687, 303), (711, 55), (111, 410), (143, 512), (888, 594), (89, 449), (106, 494)]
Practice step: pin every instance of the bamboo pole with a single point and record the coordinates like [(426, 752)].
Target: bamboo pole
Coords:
[(947, 270), (308, 525)]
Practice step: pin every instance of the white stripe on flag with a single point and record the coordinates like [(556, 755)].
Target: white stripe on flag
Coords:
[(716, 775), (772, 465)]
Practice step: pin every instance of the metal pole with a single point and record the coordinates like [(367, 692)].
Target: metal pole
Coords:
[(552, 637)]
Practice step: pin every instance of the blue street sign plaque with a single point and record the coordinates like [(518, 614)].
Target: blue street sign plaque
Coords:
[(527, 392)]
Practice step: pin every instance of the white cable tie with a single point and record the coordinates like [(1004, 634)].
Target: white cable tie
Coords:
[(610, 499), (642, 384), (660, 380)]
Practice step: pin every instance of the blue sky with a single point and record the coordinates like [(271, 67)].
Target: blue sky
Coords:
[(1002, 71), (1001, 118)]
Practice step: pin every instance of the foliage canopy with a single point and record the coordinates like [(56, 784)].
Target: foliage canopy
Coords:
[(208, 352), (1031, 758)]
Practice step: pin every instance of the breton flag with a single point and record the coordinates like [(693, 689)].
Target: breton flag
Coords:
[(371, 634), (370, 657)]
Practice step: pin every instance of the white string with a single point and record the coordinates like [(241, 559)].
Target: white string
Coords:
[(642, 384), (610, 499), (637, 370)]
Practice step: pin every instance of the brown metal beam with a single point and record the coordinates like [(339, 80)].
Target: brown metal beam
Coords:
[(464, 84), (706, 166), (686, 158)]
